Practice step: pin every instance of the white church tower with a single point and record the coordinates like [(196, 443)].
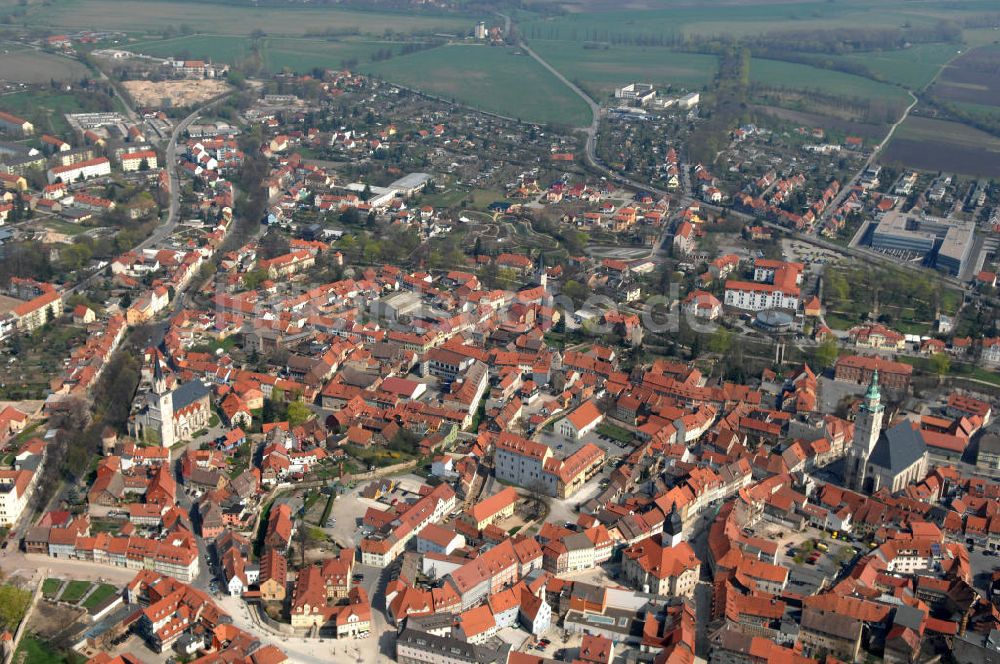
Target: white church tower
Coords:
[(867, 427), (164, 405)]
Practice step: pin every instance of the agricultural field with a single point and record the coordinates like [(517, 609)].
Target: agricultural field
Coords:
[(154, 15), (740, 19), (939, 145), (498, 80), (973, 78), (794, 76), (301, 55), (191, 47), (870, 132), (912, 68), (600, 71), (278, 53), (26, 65)]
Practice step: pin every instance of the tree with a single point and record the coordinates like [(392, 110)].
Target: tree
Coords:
[(13, 604), (575, 291), (941, 364), (721, 341), (298, 413), (826, 353)]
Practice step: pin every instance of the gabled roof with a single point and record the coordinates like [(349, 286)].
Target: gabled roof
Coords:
[(898, 448)]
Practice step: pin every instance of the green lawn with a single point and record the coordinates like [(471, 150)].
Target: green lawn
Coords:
[(45, 108), (74, 591), (50, 586), (99, 596), (912, 67), (494, 79), (65, 227), (795, 76), (615, 432), (600, 71), (32, 650), (224, 19)]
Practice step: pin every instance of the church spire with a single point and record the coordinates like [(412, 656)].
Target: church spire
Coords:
[(873, 396), (159, 380)]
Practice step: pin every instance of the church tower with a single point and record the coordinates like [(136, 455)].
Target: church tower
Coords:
[(867, 427), (163, 402)]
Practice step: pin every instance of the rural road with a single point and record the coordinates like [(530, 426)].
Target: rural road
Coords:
[(876, 151)]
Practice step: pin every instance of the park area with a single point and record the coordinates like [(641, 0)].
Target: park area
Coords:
[(903, 301), (497, 80)]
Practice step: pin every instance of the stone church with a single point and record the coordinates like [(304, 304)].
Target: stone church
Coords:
[(166, 417), (878, 459)]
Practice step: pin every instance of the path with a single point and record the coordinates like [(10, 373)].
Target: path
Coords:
[(876, 151)]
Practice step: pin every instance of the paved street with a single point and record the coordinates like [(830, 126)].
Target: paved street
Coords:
[(17, 563)]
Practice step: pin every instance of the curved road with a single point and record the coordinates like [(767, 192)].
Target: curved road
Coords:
[(165, 229)]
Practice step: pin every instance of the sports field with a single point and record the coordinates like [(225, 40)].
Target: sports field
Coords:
[(795, 76), (154, 15), (602, 70), (495, 79), (26, 65)]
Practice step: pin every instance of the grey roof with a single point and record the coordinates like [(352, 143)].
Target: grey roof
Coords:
[(990, 443), (907, 616), (188, 393), (577, 542), (898, 448), (455, 650)]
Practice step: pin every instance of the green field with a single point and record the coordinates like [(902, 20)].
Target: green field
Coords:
[(793, 76), (296, 54), (742, 19), (912, 67), (74, 591), (50, 586), (32, 650), (99, 596), (27, 65), (600, 71), (153, 15), (301, 55), (498, 80), (215, 48), (44, 108)]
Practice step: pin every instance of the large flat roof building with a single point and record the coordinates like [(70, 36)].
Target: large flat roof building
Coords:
[(951, 239)]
